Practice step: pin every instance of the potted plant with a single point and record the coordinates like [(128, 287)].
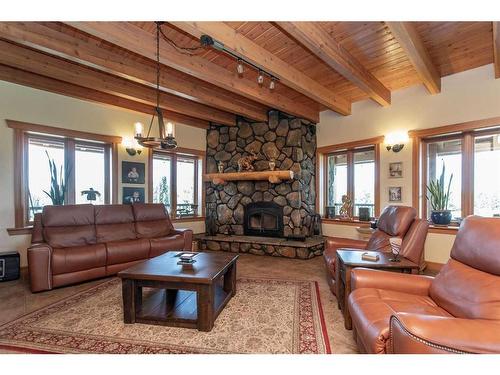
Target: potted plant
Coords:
[(58, 188), (439, 196)]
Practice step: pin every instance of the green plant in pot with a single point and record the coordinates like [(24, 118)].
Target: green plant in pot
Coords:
[(58, 183), (439, 196)]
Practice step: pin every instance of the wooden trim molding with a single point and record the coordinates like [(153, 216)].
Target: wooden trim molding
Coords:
[(20, 231), (456, 128), (52, 130), (353, 222), (347, 145)]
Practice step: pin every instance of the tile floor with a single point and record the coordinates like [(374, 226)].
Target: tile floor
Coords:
[(16, 298)]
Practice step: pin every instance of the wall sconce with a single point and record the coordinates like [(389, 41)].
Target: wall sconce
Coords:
[(131, 146), (396, 141)]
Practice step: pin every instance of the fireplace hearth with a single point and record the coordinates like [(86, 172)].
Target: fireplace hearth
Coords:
[(263, 219)]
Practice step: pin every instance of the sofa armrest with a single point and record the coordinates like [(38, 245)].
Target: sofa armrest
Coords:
[(40, 267), (417, 333), (398, 282), (188, 237), (335, 243)]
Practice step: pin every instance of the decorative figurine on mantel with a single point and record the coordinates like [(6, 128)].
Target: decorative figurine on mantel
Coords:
[(272, 164), (346, 208), (220, 167), (245, 164)]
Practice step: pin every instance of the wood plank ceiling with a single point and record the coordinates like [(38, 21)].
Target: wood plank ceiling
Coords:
[(320, 65)]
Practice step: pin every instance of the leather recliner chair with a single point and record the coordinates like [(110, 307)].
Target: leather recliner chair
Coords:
[(395, 221), (75, 243), (458, 311)]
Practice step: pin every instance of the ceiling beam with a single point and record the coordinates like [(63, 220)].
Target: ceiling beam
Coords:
[(137, 40), (408, 38), (496, 48), (43, 64), (246, 48), (318, 41), (40, 82), (58, 39)]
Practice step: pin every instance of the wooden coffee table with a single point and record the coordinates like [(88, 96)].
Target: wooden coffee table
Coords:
[(183, 297), (349, 259)]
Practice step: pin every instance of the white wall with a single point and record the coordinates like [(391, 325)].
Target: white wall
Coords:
[(30, 105), (467, 96)]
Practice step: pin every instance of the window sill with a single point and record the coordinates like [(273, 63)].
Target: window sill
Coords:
[(450, 229), (188, 219), (353, 222), (20, 231)]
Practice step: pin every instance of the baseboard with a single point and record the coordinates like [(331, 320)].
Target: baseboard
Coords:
[(433, 267)]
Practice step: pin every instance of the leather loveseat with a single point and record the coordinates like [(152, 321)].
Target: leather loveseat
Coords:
[(75, 243), (395, 221), (458, 311)]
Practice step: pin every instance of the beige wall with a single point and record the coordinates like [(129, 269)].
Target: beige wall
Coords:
[(36, 106), (466, 96)]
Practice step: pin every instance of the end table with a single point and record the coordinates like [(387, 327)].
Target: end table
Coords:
[(349, 259)]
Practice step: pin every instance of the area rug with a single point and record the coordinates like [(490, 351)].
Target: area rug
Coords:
[(265, 316)]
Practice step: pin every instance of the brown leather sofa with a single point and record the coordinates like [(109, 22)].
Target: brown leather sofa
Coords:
[(75, 243), (395, 221), (458, 311)]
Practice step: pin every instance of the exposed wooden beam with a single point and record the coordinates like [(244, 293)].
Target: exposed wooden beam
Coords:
[(318, 41), (57, 39), (244, 47), (43, 64), (40, 82), (408, 38), (137, 40), (496, 48)]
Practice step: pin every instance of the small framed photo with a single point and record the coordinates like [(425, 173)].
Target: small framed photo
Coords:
[(133, 195), (133, 173), (395, 194), (396, 170)]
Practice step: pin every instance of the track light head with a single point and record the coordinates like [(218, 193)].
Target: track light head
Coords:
[(240, 69), (260, 78), (272, 84)]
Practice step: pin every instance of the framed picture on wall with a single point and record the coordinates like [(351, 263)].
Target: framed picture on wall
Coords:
[(395, 194), (133, 173), (133, 195), (396, 170)]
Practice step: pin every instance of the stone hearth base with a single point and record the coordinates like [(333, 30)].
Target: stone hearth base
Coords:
[(280, 247)]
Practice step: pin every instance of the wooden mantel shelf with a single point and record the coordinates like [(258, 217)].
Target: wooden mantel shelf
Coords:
[(274, 177)]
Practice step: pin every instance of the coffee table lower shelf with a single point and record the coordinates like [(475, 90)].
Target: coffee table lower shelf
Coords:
[(176, 308)]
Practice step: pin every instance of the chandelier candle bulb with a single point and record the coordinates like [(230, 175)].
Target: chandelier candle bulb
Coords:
[(170, 129), (138, 129)]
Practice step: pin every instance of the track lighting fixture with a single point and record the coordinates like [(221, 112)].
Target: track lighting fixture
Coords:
[(240, 68), (272, 84), (260, 78)]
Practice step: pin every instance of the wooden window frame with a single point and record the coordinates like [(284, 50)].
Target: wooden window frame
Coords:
[(22, 131), (348, 148), (466, 131), (198, 157)]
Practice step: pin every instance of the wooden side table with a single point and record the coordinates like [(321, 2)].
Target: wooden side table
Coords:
[(349, 259)]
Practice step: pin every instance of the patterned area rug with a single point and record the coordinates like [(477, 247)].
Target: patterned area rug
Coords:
[(265, 316)]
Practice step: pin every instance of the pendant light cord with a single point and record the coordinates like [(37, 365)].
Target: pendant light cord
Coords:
[(157, 76)]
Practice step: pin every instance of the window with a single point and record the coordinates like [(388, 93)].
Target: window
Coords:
[(471, 152), (175, 179), (446, 154), (486, 181), (351, 172), (82, 160)]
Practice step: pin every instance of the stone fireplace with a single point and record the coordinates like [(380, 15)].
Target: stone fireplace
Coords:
[(275, 213)]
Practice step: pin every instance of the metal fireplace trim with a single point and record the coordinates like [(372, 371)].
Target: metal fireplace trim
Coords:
[(269, 208)]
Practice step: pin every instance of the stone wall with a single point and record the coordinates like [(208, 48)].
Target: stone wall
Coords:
[(288, 140)]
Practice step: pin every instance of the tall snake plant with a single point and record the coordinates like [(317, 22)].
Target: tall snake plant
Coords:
[(58, 183), (438, 195)]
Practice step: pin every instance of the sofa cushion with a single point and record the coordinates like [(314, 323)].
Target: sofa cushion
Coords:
[(164, 244), (114, 223), (68, 215), (466, 292), (151, 220), (78, 258), (69, 225), (81, 235), (127, 251), (372, 310)]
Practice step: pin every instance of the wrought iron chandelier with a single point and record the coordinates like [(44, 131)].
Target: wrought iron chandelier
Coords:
[(166, 139)]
